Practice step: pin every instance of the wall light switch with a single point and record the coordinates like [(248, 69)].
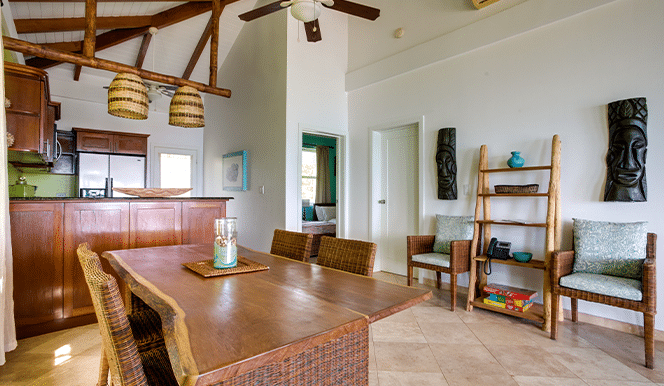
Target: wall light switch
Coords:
[(262, 189), (466, 190)]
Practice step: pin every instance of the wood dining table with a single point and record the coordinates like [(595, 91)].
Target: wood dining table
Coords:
[(293, 323)]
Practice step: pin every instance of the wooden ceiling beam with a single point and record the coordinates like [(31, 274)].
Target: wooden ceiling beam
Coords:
[(112, 38), (198, 50), (104, 1), (214, 41), (90, 36), (102, 64), (145, 44), (26, 26)]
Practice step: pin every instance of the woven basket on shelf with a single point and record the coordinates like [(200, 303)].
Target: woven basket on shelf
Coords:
[(531, 188), (186, 108), (128, 97)]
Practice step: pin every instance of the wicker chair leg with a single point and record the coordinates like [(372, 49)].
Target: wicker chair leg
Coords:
[(555, 300), (437, 279), (410, 275), (103, 369), (575, 310), (453, 290), (649, 338)]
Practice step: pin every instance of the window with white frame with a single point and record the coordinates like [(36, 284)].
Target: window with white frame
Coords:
[(175, 168), (309, 174)]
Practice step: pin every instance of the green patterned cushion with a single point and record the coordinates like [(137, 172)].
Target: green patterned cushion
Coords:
[(433, 258), (610, 248), (618, 287), (450, 228)]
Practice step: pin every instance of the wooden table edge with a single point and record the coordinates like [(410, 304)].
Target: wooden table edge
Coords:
[(177, 344)]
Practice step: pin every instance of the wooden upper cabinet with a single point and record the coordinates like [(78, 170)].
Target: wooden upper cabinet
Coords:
[(26, 93), (198, 220), (37, 254), (100, 141)]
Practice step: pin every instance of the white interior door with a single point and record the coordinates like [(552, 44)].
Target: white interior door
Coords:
[(399, 190)]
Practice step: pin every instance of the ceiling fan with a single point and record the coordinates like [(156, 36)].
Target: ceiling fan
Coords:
[(309, 10)]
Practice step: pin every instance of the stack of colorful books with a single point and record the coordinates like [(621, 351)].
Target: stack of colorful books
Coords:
[(511, 298)]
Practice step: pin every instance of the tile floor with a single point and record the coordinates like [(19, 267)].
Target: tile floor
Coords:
[(426, 345)]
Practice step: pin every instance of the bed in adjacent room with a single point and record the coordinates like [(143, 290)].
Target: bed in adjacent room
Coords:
[(324, 224)]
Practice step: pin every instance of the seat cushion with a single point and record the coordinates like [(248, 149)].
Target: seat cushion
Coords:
[(609, 248), (450, 228), (618, 287), (433, 258)]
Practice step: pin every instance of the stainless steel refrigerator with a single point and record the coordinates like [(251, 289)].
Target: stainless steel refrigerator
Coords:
[(99, 173)]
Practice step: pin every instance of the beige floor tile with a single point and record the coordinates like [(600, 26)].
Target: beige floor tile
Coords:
[(466, 360), (435, 314), (372, 356), (478, 315), (501, 334), (601, 382), (394, 378), (405, 316), (565, 339), (373, 378), (590, 363), (548, 381), (448, 333), (524, 360), (479, 379), (414, 357), (397, 332)]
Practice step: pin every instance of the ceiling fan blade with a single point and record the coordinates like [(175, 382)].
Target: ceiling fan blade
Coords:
[(261, 11), (168, 87), (329, 3), (312, 36), (355, 9), (168, 93)]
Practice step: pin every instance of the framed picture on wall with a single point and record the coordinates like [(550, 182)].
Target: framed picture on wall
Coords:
[(234, 169)]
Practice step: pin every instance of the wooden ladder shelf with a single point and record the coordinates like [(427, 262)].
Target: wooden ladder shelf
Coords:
[(483, 224)]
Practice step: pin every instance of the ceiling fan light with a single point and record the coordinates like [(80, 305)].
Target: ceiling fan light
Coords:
[(128, 97), (305, 10), (186, 108), (153, 94)]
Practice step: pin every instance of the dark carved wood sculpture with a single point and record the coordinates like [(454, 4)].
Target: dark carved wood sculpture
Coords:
[(626, 158), (446, 162)]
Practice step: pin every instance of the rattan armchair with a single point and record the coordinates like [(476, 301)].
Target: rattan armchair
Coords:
[(294, 245), (562, 263), (459, 261), (353, 256), (128, 362)]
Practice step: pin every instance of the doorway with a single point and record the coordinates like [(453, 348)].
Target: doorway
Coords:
[(395, 193)]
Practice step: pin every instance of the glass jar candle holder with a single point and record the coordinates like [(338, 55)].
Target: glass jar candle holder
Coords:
[(225, 242)]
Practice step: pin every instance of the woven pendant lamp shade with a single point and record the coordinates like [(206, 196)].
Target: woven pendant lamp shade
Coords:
[(186, 108), (128, 97)]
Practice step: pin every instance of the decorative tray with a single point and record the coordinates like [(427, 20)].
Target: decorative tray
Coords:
[(206, 269), (153, 192), (531, 188)]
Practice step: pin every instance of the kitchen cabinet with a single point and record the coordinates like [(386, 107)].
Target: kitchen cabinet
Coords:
[(50, 292), (30, 113), (105, 227), (100, 141), (37, 231)]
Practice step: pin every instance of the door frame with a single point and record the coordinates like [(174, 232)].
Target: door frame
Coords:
[(342, 172), (375, 176), (155, 163)]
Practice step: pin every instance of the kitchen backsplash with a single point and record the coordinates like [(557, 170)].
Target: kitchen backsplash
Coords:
[(48, 185)]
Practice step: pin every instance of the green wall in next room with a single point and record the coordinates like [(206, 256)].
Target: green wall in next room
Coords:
[(48, 185)]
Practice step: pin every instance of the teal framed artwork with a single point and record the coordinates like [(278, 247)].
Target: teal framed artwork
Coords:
[(234, 169)]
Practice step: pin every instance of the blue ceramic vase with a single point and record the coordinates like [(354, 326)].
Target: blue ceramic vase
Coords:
[(516, 161)]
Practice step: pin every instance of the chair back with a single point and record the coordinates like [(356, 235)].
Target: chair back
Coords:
[(294, 245), (117, 339), (353, 256)]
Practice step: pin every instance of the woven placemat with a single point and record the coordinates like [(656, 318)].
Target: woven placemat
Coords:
[(205, 268)]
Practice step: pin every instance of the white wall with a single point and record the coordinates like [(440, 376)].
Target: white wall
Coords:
[(515, 93), (279, 87), (85, 104), (316, 99), (253, 119)]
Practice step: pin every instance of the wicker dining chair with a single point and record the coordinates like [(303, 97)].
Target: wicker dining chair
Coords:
[(353, 256), (633, 294), (121, 356), (294, 245)]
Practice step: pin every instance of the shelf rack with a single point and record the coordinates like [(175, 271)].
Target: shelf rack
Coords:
[(483, 224)]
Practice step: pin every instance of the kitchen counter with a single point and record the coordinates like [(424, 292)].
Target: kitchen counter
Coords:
[(113, 199)]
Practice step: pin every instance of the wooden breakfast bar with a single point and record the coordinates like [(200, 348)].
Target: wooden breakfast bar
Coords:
[(295, 323)]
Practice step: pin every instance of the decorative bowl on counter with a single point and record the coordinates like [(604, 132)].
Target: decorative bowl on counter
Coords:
[(522, 257), (153, 192)]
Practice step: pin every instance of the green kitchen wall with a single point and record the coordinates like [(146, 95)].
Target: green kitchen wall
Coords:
[(48, 185)]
